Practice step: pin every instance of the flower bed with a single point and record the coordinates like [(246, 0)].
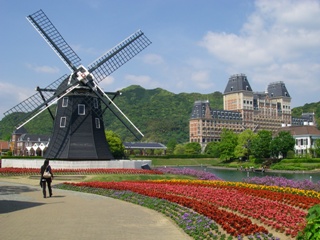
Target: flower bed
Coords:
[(203, 207), (283, 182), (36, 171), (194, 224), (232, 207)]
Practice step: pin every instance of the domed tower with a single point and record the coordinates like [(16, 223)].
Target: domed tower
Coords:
[(238, 96)]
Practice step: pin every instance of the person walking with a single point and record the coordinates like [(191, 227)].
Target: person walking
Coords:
[(46, 178)]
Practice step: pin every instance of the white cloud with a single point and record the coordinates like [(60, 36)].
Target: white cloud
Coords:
[(8, 99), (142, 80), (43, 69), (279, 41), (276, 31), (201, 80), (105, 83)]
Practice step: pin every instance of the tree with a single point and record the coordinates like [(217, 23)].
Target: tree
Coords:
[(179, 149), (282, 143), (229, 141), (260, 146), (171, 145), (243, 148), (192, 148), (317, 148), (115, 144), (212, 149)]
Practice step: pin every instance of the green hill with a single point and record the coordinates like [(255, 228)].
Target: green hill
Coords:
[(159, 114)]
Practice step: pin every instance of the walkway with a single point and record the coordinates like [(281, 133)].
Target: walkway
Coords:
[(25, 214)]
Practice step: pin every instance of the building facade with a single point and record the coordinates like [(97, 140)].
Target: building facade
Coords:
[(244, 109), (305, 136), (25, 144)]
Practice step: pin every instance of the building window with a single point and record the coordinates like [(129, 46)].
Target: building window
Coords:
[(95, 102), (65, 102), (97, 120), (63, 121), (81, 109)]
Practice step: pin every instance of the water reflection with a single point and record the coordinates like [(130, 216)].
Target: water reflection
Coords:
[(234, 175)]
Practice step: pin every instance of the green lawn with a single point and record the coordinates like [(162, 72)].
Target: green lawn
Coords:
[(286, 164), (185, 162)]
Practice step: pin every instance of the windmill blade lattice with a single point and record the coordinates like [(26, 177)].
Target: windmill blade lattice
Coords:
[(35, 103), (78, 126), (48, 31), (110, 105), (118, 55)]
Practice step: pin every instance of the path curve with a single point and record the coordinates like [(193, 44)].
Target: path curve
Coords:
[(25, 214)]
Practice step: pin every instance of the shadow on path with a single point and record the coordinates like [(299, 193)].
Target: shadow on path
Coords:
[(9, 190), (7, 206)]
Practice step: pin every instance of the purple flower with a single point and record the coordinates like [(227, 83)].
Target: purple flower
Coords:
[(283, 182)]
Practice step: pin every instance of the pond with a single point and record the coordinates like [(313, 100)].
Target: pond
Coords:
[(235, 175)]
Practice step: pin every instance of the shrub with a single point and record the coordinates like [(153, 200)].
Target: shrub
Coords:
[(290, 154), (312, 230)]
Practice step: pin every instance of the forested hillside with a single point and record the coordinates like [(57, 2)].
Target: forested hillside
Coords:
[(159, 114), (308, 107)]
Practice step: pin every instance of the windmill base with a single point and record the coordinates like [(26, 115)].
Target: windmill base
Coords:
[(65, 164)]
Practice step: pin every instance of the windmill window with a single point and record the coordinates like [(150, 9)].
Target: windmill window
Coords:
[(65, 102), (97, 120), (63, 121), (95, 103), (81, 109)]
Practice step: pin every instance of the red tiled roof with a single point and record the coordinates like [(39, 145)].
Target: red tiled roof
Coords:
[(4, 145), (301, 130)]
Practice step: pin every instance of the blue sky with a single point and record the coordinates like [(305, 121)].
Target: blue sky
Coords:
[(196, 44)]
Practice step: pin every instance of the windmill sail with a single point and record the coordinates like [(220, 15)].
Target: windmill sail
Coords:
[(51, 35), (35, 103), (119, 55), (78, 131)]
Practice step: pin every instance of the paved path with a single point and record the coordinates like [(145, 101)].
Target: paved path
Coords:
[(25, 214)]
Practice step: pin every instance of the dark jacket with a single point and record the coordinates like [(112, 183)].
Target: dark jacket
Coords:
[(48, 169)]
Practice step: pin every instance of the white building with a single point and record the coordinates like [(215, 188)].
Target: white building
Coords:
[(305, 137)]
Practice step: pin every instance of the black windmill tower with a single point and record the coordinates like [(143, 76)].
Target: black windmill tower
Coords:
[(78, 132)]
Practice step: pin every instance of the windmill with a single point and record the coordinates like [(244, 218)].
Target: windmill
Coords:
[(78, 131)]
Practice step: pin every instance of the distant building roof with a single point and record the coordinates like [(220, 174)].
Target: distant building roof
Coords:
[(143, 145), (34, 138), (4, 145), (306, 130), (277, 89), (21, 130), (237, 83), (202, 109)]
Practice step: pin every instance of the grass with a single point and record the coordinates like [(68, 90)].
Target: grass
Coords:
[(295, 166), (185, 161), (285, 164)]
